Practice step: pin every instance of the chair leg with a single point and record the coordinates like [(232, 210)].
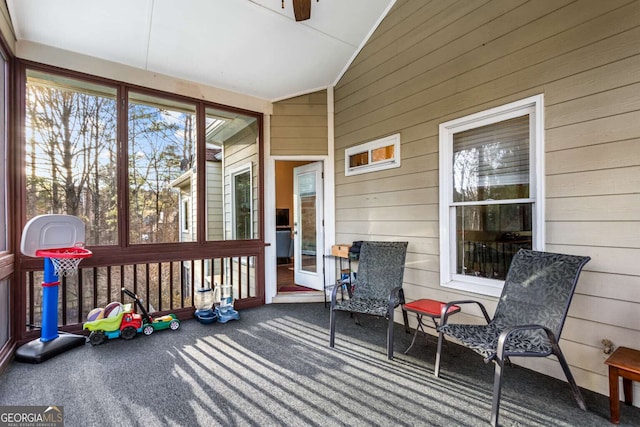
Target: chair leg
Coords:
[(406, 321), (436, 369), (497, 390), (572, 382), (332, 327), (390, 337)]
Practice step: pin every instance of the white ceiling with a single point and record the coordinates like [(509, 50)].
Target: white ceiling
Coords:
[(253, 47)]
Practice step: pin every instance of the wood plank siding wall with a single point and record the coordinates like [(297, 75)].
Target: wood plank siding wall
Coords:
[(299, 125), (241, 152), (433, 61)]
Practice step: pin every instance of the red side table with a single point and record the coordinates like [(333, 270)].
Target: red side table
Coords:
[(625, 363), (426, 307)]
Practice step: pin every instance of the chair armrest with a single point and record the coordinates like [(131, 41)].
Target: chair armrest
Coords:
[(502, 339), (444, 314), (334, 292), (396, 297)]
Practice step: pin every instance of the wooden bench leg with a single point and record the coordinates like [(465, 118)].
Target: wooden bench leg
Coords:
[(614, 395)]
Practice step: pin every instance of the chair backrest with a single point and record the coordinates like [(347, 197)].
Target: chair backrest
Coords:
[(283, 244), (380, 269), (538, 289)]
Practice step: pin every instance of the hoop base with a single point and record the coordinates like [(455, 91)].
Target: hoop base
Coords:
[(37, 351)]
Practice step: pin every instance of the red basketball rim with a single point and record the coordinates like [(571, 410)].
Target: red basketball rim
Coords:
[(75, 252)]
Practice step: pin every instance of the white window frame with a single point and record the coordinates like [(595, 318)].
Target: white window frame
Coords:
[(368, 147), (185, 212), (534, 106), (235, 172)]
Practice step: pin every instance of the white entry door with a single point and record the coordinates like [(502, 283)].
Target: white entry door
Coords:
[(308, 225)]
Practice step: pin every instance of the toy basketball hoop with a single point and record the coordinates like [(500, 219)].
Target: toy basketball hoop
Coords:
[(58, 239), (65, 260)]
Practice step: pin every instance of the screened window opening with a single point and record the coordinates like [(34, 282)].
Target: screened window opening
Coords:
[(71, 152), (4, 137), (162, 140), (232, 158), (75, 165)]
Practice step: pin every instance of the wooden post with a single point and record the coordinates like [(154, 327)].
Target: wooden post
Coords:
[(302, 9)]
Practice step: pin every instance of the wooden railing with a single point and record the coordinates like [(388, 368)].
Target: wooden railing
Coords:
[(164, 287), (490, 259)]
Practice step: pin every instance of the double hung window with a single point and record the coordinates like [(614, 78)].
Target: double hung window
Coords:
[(491, 201)]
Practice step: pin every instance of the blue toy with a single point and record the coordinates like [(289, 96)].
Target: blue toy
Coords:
[(225, 310)]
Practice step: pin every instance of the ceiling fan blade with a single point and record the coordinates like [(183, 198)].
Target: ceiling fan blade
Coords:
[(302, 9)]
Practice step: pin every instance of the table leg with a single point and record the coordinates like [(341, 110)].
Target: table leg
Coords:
[(628, 391), (419, 327), (614, 395)]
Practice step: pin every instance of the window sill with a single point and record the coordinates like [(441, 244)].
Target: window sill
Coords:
[(475, 285)]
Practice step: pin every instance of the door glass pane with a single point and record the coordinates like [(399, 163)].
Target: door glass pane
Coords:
[(307, 228), (162, 169), (231, 175), (489, 236), (71, 152), (242, 205)]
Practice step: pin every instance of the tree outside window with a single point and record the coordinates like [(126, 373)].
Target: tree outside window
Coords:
[(71, 152), (162, 139)]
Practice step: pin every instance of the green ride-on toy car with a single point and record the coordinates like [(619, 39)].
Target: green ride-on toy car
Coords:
[(151, 324), (122, 322)]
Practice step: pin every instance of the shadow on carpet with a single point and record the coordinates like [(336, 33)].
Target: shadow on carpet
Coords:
[(274, 367)]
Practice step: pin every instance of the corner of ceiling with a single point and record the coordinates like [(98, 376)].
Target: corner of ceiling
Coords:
[(364, 42)]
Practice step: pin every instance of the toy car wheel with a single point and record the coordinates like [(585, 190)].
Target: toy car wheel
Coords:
[(97, 338), (147, 330), (174, 325), (128, 333)]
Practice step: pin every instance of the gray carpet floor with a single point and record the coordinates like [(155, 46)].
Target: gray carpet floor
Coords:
[(273, 367)]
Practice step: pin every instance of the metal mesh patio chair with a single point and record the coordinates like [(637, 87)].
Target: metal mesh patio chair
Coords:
[(377, 289), (528, 319)]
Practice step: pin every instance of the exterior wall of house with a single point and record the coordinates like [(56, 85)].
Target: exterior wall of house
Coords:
[(430, 62), (215, 223), (299, 125)]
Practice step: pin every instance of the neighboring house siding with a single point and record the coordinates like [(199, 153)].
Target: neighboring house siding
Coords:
[(214, 201), (299, 125), (430, 62)]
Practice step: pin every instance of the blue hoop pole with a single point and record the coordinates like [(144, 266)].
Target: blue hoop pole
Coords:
[(49, 303)]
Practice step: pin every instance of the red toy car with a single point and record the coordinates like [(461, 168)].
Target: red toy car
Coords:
[(125, 324)]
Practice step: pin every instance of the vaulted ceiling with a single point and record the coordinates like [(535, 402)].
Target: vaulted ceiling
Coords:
[(253, 47)]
